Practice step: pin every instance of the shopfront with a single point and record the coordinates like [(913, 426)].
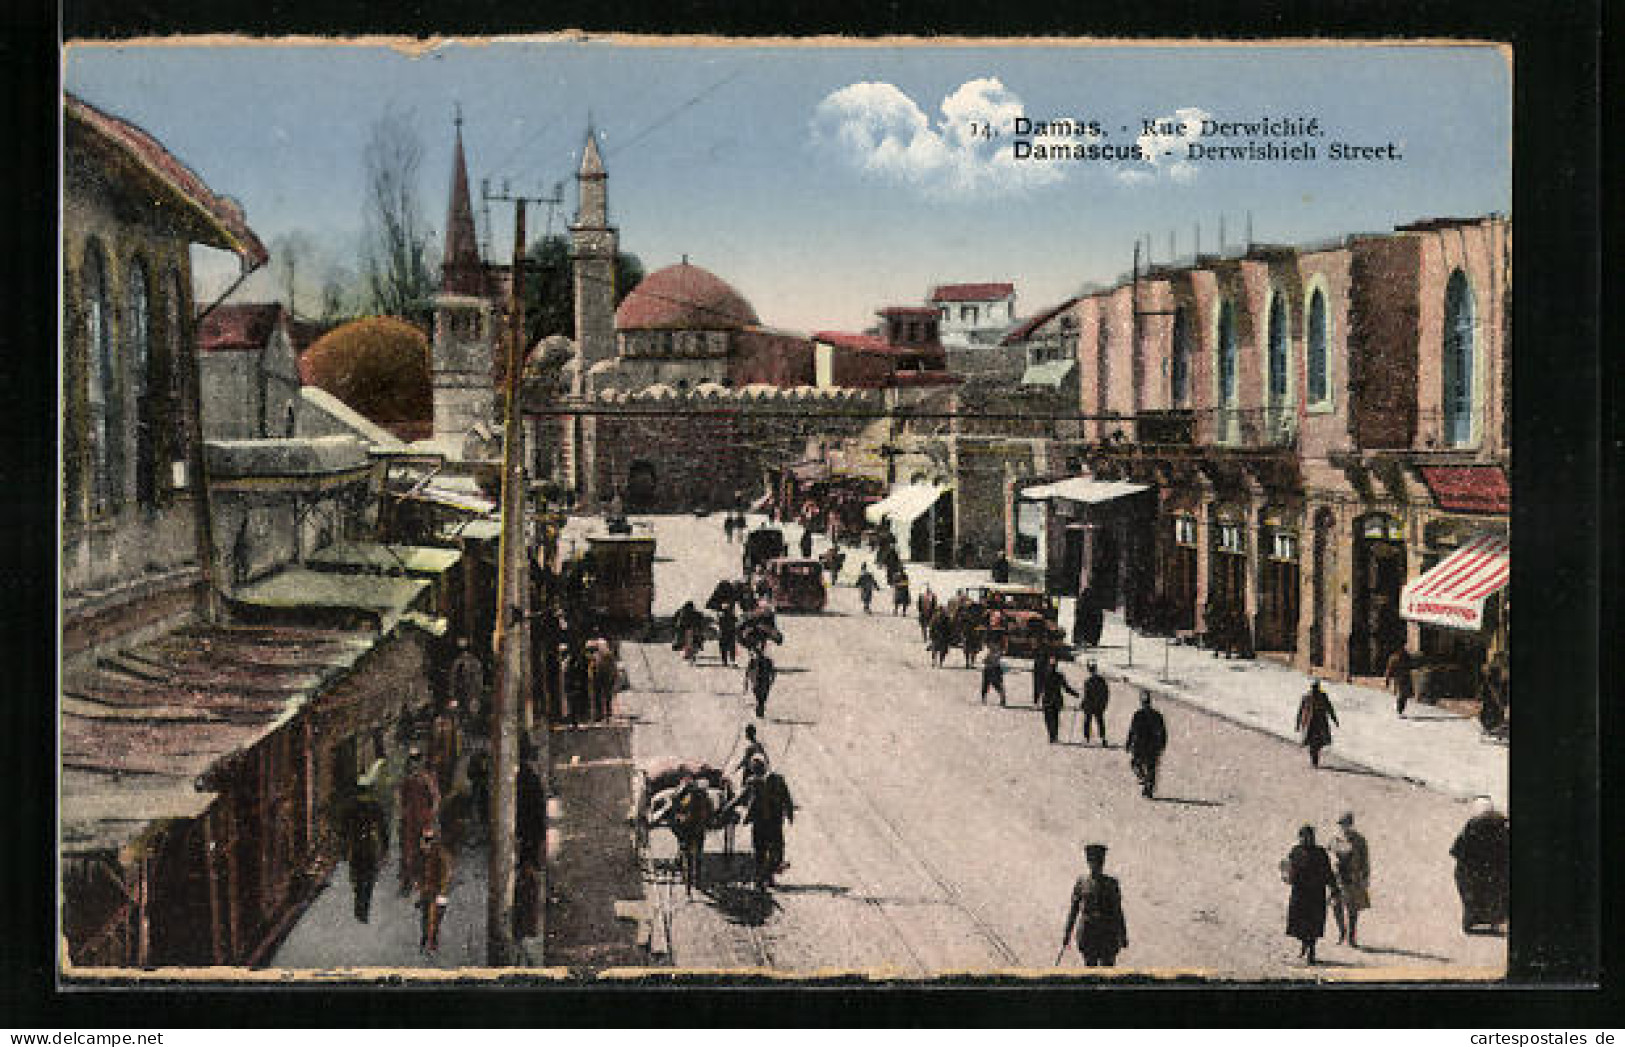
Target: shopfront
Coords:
[(1379, 574), (1225, 612), (1278, 580), (1179, 572), (1459, 603)]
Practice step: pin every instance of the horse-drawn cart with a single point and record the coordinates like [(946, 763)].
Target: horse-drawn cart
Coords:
[(692, 800)]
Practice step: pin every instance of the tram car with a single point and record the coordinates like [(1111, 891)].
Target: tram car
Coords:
[(618, 579)]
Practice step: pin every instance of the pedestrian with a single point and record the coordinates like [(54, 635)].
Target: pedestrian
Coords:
[(970, 636), (1351, 861), (993, 671), (1482, 851), (1088, 620), (728, 635), (768, 805), (866, 587), (465, 681), (1043, 663), (420, 809), (926, 607), (941, 637), (760, 674), (1398, 677), (899, 594), (1147, 738), (754, 750), (1095, 697), (366, 841), (806, 541), (577, 684), (603, 670), (1308, 870), (432, 890), (1315, 719), (446, 747), (1054, 684), (1097, 912)]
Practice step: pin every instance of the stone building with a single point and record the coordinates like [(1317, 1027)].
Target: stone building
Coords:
[(250, 372), (1319, 426)]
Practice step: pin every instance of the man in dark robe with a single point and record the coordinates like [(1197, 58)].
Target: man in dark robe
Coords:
[(728, 635), (806, 542), (419, 810), (760, 674), (1483, 851), (768, 806), (1096, 694), (1308, 869), (1043, 664), (1088, 620), (366, 840), (1147, 737), (866, 587), (1315, 719), (1054, 685), (1398, 676), (1097, 912)]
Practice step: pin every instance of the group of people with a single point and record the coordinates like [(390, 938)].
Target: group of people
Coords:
[(745, 618)]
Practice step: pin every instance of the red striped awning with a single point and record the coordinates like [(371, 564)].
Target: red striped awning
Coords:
[(1453, 592)]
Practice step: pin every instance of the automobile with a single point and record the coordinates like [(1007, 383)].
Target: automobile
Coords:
[(1028, 613), (796, 584), (762, 545)]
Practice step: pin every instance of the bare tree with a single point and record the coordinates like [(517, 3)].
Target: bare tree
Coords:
[(396, 257)]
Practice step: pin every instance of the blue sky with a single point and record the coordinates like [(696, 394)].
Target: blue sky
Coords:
[(825, 182)]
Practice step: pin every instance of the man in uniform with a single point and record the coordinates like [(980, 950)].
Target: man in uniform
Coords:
[(1147, 737), (1095, 696), (1054, 684), (1097, 912)]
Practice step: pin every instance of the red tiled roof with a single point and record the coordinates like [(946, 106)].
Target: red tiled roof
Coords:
[(908, 310), (1022, 331), (972, 292), (224, 216), (238, 326), (684, 297), (863, 343)]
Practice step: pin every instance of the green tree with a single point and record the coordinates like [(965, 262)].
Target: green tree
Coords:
[(550, 304)]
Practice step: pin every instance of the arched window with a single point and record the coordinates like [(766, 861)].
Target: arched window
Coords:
[(1458, 361), (1179, 368), (1226, 371), (138, 349), (1319, 378), (104, 420), (1277, 388)]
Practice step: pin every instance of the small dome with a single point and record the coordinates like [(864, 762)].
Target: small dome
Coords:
[(553, 351), (684, 297)]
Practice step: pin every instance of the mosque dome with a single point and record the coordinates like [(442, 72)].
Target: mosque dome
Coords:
[(684, 297)]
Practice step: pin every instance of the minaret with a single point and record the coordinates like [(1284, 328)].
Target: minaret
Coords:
[(464, 320), (593, 243)]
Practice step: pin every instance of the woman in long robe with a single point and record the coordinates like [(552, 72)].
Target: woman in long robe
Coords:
[(1308, 869)]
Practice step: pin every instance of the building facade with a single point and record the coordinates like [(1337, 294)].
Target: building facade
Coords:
[(250, 372)]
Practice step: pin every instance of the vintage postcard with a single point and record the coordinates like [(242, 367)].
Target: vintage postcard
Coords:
[(623, 509)]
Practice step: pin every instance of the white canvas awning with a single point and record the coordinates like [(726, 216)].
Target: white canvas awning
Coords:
[(905, 504), (1452, 593), (1083, 489)]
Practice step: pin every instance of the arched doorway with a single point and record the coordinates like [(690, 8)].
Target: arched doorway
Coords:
[(641, 487), (1179, 573), (1225, 610), (1379, 575)]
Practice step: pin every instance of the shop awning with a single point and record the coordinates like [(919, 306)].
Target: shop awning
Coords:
[(1083, 489), (1468, 488), (377, 558), (1050, 374), (905, 504), (1452, 594)]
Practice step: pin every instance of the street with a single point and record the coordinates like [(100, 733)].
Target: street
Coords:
[(935, 834)]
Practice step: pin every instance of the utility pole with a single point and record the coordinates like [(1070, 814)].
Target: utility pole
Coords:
[(512, 631)]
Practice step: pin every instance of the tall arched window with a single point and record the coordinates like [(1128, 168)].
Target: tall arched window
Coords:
[(138, 349), (1179, 368), (1226, 371), (1319, 378), (1278, 354), (1458, 361), (103, 419)]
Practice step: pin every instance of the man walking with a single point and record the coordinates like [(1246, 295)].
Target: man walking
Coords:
[(419, 807), (366, 839), (1095, 696), (446, 746), (866, 587), (927, 608), (754, 750), (942, 636), (466, 681), (432, 889), (728, 634), (1398, 677), (1147, 737), (760, 674), (1043, 665), (1054, 685), (768, 806), (1097, 912), (1315, 719), (899, 594), (1351, 861), (806, 542), (993, 670)]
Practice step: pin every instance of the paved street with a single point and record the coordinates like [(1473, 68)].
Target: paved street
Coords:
[(936, 834)]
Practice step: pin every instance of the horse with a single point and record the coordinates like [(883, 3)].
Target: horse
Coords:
[(690, 818)]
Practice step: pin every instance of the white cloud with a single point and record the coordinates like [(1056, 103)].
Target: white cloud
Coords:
[(1164, 148), (879, 130)]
